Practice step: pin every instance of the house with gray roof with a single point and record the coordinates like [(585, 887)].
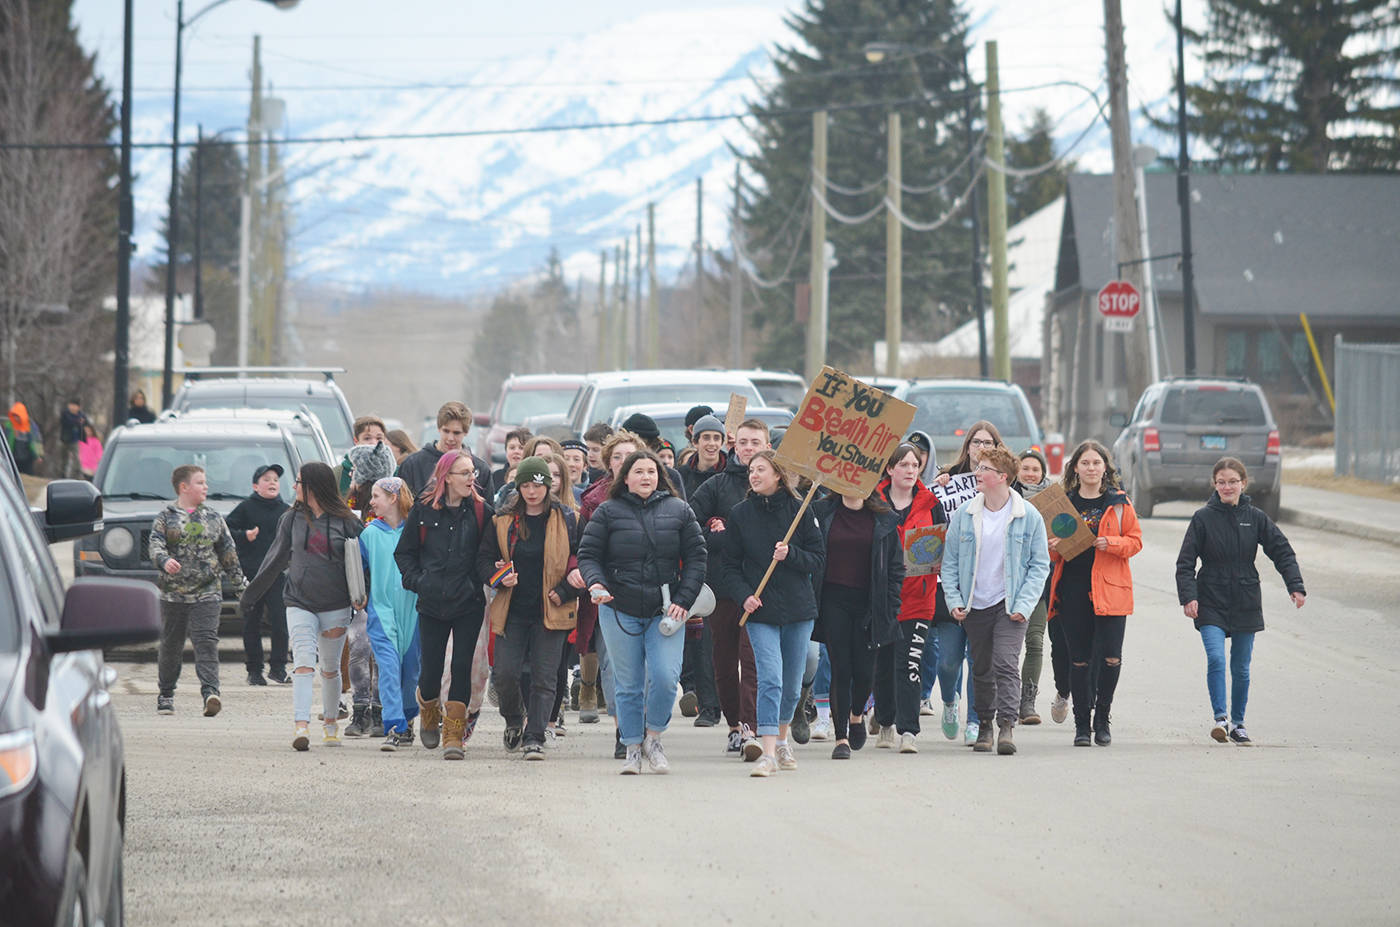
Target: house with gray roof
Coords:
[(1268, 248)]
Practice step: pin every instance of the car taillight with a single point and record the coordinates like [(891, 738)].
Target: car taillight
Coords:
[(1151, 441), (1274, 448), (17, 761)]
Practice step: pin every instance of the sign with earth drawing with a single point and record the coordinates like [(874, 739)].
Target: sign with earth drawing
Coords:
[(1062, 521), (923, 550)]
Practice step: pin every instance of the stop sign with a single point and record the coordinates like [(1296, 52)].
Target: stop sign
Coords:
[(1119, 303)]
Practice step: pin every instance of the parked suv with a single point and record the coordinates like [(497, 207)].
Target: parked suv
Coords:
[(943, 408), (134, 478), (62, 763), (521, 398), (322, 398), (1182, 426), (305, 427), (602, 393), (670, 418)]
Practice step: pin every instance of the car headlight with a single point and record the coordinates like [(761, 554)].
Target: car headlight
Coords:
[(18, 760), (118, 543)]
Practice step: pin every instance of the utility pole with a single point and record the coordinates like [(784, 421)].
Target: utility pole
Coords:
[(736, 284), (121, 342), (996, 220), (1183, 199), (199, 223), (894, 248), (603, 327), (699, 263), (816, 314), (255, 192), (1127, 241), (619, 347), (975, 211), (635, 360), (270, 248), (172, 251), (653, 297)]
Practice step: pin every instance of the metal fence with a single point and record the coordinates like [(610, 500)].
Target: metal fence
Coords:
[(1368, 411)]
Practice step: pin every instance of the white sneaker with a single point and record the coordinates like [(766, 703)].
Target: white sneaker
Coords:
[(927, 709), (1059, 709), (765, 766), (885, 739), (632, 766), (906, 744), (950, 720), (656, 757), (1221, 732), (787, 759), (970, 733), (822, 729)]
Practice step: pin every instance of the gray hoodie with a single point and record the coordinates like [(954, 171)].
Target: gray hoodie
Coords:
[(313, 556)]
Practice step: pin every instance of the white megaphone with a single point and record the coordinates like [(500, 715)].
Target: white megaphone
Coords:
[(704, 602)]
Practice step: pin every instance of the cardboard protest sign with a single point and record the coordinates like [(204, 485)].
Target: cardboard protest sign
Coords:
[(1062, 521), (844, 433), (960, 489), (923, 550), (738, 405)]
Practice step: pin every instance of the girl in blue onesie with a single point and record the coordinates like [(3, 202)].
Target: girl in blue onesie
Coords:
[(392, 613)]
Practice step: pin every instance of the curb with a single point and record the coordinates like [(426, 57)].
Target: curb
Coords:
[(1354, 529)]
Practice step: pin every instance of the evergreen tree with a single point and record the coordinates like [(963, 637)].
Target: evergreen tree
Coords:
[(1032, 148), (826, 67), (1299, 85)]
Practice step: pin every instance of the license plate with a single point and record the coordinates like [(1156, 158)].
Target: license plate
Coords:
[(1212, 442)]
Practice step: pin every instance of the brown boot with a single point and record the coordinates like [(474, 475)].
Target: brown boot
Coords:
[(430, 714), (984, 738), (454, 726), (588, 689), (1005, 745)]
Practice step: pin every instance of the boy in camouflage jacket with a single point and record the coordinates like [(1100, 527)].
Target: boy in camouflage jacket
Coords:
[(192, 549)]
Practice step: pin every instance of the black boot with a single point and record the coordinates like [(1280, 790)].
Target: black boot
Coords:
[(376, 717), (801, 729), (1082, 737), (1102, 737), (359, 723)]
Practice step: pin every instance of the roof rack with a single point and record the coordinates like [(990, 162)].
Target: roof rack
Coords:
[(194, 373), (1206, 376)]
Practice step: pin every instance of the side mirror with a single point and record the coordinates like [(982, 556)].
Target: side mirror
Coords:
[(100, 613), (73, 509), (1118, 419)]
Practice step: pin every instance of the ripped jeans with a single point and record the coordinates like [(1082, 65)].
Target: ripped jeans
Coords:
[(306, 631)]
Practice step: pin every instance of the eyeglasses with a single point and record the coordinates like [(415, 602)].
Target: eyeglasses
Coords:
[(987, 470), (982, 442), (1226, 484), (297, 482), (461, 473)]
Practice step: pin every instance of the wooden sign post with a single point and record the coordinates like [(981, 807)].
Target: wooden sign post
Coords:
[(841, 438)]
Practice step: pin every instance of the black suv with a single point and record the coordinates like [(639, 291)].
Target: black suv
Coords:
[(1182, 426), (134, 478), (62, 763)]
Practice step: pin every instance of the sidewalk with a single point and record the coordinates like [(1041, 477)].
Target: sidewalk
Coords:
[(1341, 513)]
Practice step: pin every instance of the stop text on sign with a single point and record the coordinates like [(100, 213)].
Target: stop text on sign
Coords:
[(1119, 298)]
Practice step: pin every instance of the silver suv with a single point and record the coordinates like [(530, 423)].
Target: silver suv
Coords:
[(1182, 426), (944, 407)]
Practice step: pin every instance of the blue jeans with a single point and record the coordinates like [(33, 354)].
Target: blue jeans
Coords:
[(780, 658), (952, 651), (928, 669), (821, 685), (1241, 649), (646, 666)]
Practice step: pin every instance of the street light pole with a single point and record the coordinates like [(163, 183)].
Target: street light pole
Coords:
[(1183, 199), (121, 353)]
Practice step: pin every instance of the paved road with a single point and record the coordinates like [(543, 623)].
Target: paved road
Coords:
[(229, 826)]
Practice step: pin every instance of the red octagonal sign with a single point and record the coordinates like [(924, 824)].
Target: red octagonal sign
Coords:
[(1119, 303)]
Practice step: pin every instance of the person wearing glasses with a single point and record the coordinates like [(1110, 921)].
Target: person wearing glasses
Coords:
[(437, 555), (994, 567), (1223, 598), (1092, 593)]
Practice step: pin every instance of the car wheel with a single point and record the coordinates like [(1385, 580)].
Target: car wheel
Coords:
[(1142, 500), (72, 911)]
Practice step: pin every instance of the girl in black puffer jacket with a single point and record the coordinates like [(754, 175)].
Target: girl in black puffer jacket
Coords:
[(1223, 598), (643, 558), (780, 623)]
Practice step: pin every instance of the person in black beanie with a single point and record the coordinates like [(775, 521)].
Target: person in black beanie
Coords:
[(253, 524), (644, 427)]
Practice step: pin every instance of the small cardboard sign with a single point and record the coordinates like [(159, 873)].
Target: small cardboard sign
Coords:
[(844, 433), (1062, 520), (738, 405), (923, 550), (960, 489)]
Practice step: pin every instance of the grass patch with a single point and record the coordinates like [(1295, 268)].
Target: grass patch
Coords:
[(1321, 478)]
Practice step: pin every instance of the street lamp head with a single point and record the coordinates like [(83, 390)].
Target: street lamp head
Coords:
[(283, 4), (876, 52)]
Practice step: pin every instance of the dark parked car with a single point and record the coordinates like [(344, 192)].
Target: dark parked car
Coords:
[(1182, 426), (62, 764)]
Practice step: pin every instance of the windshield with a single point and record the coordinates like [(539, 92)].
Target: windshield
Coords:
[(941, 411), (521, 404), (141, 469), (1207, 405), (781, 392), (326, 408), (715, 395)]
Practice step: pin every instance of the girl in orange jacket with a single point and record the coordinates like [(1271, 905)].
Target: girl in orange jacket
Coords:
[(1091, 594)]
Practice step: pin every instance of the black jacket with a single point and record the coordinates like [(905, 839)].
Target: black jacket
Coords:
[(754, 527), (260, 513), (1225, 539), (715, 498), (417, 470), (633, 546), (692, 477), (881, 622), (437, 555)]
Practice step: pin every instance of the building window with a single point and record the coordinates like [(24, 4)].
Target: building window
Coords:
[(1270, 355), (1302, 355), (1236, 354)]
